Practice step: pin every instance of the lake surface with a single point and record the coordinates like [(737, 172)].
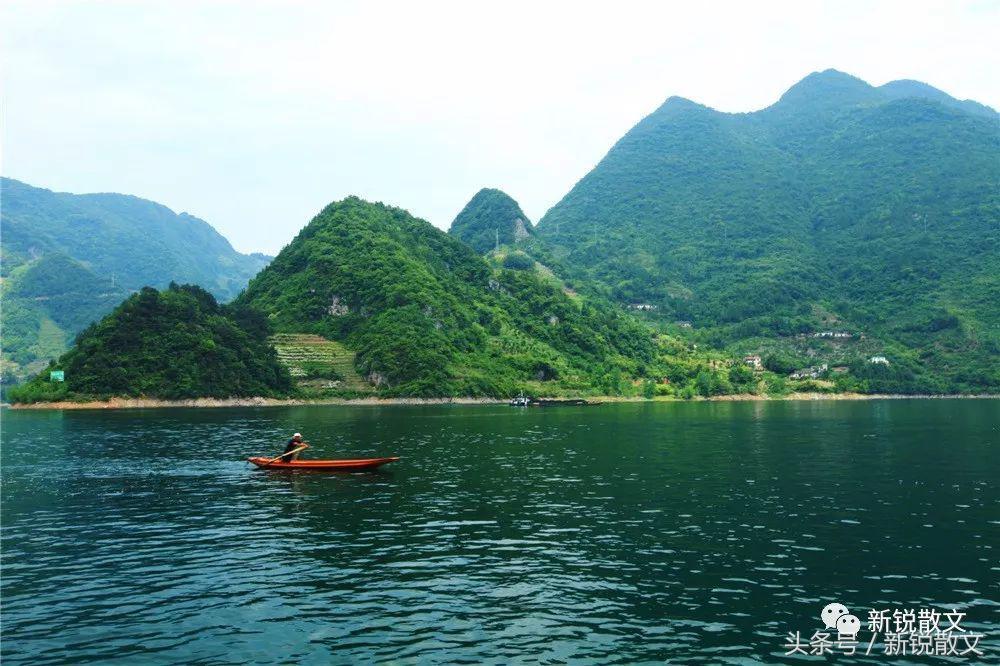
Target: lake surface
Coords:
[(632, 533)]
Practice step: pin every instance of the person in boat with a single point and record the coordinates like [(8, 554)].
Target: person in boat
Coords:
[(294, 443)]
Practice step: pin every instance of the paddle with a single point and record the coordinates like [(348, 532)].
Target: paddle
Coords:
[(301, 448)]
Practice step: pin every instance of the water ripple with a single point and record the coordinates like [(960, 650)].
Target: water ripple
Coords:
[(621, 534)]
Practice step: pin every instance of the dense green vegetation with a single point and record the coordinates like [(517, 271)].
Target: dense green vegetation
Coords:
[(841, 207), (428, 317), (47, 300), (368, 299), (176, 343), (490, 216), (518, 261), (847, 235), (67, 259)]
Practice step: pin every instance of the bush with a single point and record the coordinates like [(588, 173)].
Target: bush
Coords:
[(782, 364), (518, 261), (776, 384), (741, 376), (39, 390)]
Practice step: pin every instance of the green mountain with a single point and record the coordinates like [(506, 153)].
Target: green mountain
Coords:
[(841, 208), (67, 259), (44, 300), (427, 316), (491, 218), (176, 343)]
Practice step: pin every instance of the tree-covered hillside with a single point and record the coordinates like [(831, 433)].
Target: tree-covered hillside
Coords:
[(47, 300), (491, 217), (176, 343), (842, 207), (427, 316), (67, 259)]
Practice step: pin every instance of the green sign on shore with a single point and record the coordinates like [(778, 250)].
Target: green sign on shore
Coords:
[(57, 376)]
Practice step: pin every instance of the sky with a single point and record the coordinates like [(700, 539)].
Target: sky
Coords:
[(254, 115)]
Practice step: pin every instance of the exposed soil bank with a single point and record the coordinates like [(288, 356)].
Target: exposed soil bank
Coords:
[(150, 403)]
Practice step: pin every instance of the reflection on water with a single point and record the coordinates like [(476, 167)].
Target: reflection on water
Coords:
[(613, 534)]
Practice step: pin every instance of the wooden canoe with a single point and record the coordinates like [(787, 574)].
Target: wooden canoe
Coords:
[(349, 465)]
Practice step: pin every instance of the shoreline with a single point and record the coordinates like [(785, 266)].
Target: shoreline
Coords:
[(216, 403)]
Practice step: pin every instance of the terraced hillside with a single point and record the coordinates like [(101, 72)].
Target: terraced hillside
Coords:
[(317, 363)]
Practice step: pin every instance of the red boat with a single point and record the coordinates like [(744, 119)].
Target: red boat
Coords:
[(355, 465)]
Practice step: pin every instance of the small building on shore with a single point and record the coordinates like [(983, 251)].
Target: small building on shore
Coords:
[(813, 372)]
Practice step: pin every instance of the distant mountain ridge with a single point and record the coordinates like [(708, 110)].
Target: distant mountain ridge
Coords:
[(67, 259), (139, 242), (835, 86), (841, 204)]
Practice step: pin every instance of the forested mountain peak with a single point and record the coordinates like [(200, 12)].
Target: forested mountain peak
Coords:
[(174, 343), (491, 216), (835, 90), (139, 241), (907, 88), (827, 88), (426, 315), (876, 207), (675, 104)]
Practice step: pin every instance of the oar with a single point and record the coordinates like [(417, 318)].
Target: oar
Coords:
[(301, 448)]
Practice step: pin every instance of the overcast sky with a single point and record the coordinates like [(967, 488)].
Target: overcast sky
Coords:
[(253, 116)]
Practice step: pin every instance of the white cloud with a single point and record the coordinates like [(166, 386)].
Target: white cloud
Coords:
[(254, 116)]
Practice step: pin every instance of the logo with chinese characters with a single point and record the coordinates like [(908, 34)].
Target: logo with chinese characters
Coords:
[(891, 632)]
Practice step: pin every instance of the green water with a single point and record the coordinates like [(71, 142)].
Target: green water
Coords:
[(627, 533)]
